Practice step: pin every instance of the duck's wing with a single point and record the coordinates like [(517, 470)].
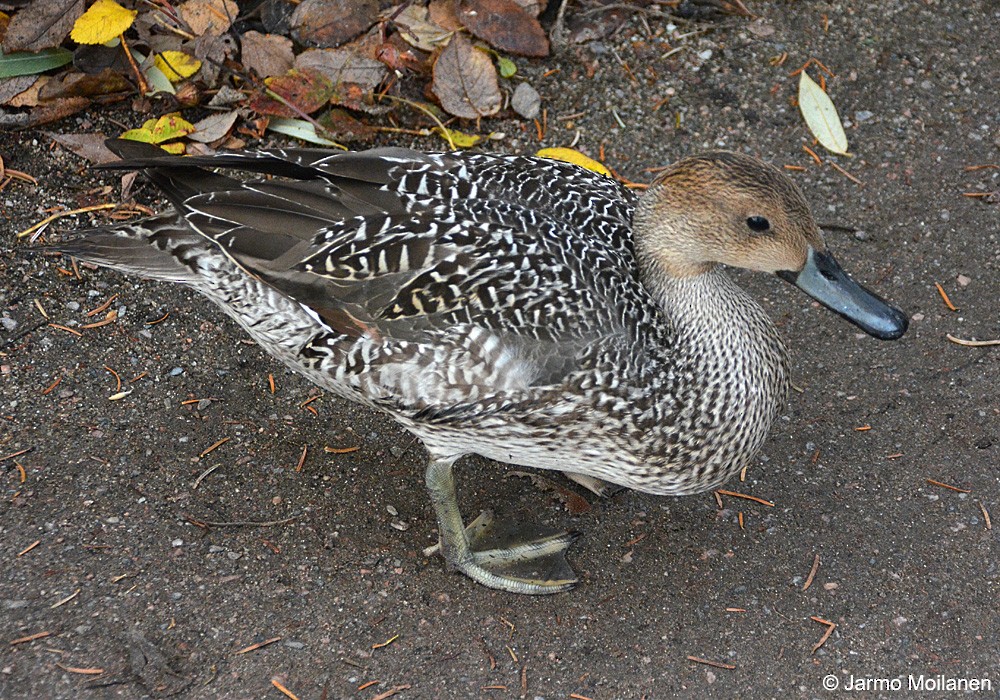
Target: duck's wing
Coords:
[(530, 257)]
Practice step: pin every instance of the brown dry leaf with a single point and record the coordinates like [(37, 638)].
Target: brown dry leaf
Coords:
[(213, 52), (343, 66), (211, 17), (81, 85), (574, 502), (41, 25), (214, 127), (266, 54), (330, 23), (56, 110), (89, 146), (21, 91), (343, 127), (505, 25), (465, 80), (418, 29), (444, 13), (307, 89)]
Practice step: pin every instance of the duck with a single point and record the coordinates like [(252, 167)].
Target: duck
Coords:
[(523, 309)]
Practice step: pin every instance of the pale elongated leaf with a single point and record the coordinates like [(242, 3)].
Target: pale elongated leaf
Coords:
[(821, 115), (299, 129), (14, 64)]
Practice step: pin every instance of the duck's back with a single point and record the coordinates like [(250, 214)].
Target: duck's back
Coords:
[(419, 282)]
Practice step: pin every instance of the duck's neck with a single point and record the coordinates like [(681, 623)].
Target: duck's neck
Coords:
[(717, 325)]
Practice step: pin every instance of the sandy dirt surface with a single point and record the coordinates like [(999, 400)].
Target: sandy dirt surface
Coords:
[(126, 574)]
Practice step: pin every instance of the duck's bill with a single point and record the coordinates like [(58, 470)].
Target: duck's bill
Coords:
[(824, 280)]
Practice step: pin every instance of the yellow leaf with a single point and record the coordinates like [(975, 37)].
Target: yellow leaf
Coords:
[(176, 65), (158, 131), (459, 139), (821, 116), (104, 21), (568, 155)]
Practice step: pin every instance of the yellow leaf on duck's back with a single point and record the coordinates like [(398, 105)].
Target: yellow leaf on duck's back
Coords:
[(569, 155), (821, 116), (104, 21), (176, 65)]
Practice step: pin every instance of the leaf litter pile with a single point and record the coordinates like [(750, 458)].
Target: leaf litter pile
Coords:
[(323, 71)]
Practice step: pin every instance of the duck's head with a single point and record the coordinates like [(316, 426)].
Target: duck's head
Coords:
[(728, 208)]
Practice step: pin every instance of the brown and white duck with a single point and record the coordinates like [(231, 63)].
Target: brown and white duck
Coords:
[(518, 308)]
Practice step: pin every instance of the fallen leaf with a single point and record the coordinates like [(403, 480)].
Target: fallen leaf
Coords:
[(214, 127), (266, 54), (89, 146), (55, 110), (574, 502), (465, 80), (15, 64), (209, 17), (157, 80), (343, 65), (419, 30), (158, 131), (307, 89), (444, 13), (569, 155), (454, 137), (505, 25), (176, 65), (102, 22), (299, 129), (106, 82), (343, 127), (16, 92), (526, 101), (821, 115), (330, 23), (41, 24)]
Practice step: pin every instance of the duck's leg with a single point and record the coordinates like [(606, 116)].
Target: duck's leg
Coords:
[(496, 567), (602, 489)]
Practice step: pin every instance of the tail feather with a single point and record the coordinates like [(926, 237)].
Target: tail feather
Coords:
[(156, 248)]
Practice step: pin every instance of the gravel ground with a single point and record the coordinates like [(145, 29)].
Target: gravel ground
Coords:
[(126, 574)]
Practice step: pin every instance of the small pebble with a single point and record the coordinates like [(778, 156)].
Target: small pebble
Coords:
[(964, 281), (176, 371), (177, 543)]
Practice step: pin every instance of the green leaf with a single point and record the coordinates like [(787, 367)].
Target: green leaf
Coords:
[(300, 129), (23, 63), (158, 81), (506, 66)]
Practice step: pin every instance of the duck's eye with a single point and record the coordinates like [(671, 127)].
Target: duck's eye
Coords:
[(758, 224)]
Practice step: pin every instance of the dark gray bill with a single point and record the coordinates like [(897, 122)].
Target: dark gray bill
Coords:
[(824, 280)]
